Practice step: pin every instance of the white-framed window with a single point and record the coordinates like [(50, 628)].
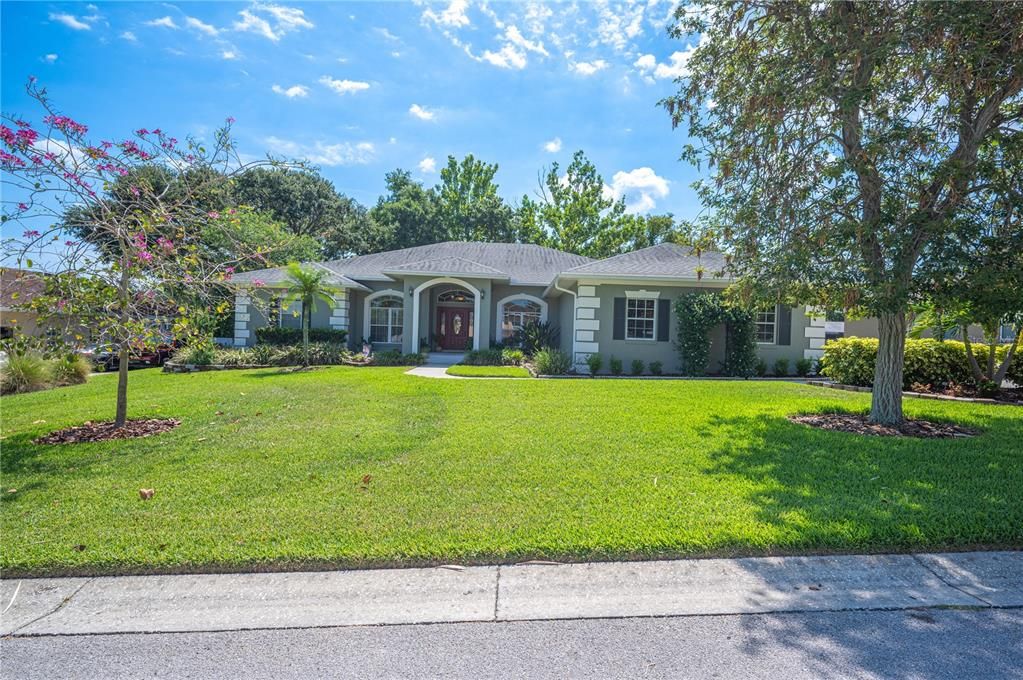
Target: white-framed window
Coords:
[(640, 318), (1006, 333), (456, 296), (517, 313), (766, 326), (386, 315)]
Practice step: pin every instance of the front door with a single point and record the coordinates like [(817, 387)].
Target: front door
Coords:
[(453, 325)]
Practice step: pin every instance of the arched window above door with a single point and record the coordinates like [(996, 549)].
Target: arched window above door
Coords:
[(458, 296)]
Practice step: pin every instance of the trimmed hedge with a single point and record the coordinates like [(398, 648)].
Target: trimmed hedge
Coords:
[(272, 335), (850, 361)]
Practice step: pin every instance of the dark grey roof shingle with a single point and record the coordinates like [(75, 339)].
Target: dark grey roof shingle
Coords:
[(666, 260), (448, 265)]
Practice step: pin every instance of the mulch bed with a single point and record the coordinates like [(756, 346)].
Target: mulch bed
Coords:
[(857, 424), (101, 432)]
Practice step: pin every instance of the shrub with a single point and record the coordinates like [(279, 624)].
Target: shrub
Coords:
[(484, 357), (273, 335), (196, 355), (262, 354), (512, 357), (927, 362), (396, 358), (697, 314), (781, 368), (803, 367), (594, 362), (535, 335), (656, 367), (761, 368), (72, 369), (615, 366), (550, 361), (987, 388), (26, 372), (637, 367)]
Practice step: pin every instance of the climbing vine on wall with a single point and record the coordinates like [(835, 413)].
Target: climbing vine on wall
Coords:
[(697, 314)]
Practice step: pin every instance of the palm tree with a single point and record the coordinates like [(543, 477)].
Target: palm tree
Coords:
[(306, 285)]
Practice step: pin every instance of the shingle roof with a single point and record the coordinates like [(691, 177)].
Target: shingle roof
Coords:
[(448, 265), (521, 262), (665, 260), (275, 277)]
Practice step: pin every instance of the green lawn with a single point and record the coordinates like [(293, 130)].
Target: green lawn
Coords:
[(488, 371), (368, 466)]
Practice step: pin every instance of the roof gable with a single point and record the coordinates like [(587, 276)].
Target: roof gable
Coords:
[(664, 260)]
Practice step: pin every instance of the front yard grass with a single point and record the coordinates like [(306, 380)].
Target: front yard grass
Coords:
[(372, 467), (488, 371)]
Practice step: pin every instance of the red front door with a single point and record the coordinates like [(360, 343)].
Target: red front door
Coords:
[(453, 326)]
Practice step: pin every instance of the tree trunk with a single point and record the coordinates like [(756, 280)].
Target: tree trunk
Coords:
[(1004, 368), (305, 332), (992, 345), (122, 386), (978, 375), (886, 399)]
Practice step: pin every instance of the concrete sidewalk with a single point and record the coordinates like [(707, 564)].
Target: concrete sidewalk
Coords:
[(217, 602)]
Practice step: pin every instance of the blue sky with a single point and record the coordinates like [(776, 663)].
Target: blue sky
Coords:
[(360, 89)]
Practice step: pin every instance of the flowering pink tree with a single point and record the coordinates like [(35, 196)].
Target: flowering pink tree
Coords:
[(151, 268)]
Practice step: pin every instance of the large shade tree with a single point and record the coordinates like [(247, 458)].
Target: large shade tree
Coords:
[(470, 207), (842, 140)]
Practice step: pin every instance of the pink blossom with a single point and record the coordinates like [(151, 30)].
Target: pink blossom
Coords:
[(231, 211), (22, 207), (157, 131), (11, 160), (70, 244), (135, 190), (142, 132), (140, 240), (258, 283), (66, 124), (230, 120), (31, 233), (229, 270), (213, 215), (23, 123), (27, 137), (165, 243), (7, 135), (145, 256)]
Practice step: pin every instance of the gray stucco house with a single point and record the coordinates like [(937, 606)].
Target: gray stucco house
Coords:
[(459, 295)]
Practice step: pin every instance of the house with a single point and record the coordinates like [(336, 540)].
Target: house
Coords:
[(455, 296), (17, 288)]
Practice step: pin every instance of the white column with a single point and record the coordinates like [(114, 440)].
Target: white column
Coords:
[(242, 316), (815, 332), (339, 314), (586, 325)]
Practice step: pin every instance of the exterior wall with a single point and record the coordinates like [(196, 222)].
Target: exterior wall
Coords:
[(357, 313), (250, 309), (502, 291), (482, 322)]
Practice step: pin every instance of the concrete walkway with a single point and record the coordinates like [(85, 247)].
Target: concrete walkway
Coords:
[(433, 372), (218, 602)]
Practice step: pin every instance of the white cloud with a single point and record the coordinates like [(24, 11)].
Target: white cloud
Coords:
[(291, 92), (321, 153), (507, 57), (250, 23), (619, 25), (198, 25), (228, 54), (70, 21), (553, 146), (288, 18), (387, 35), (677, 65), (515, 37), (536, 16), (344, 86), (421, 113), (588, 68), (640, 187), (427, 165), (452, 17), (129, 36), (392, 140), (164, 22), (50, 58)]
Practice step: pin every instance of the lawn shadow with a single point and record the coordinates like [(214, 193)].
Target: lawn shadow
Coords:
[(819, 489)]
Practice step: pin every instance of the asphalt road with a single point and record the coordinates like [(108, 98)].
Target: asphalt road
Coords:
[(922, 643)]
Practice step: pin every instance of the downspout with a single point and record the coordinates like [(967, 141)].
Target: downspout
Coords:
[(574, 298)]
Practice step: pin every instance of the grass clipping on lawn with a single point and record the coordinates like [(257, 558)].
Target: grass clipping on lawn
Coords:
[(354, 467)]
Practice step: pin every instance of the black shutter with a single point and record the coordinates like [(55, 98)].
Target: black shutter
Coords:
[(784, 325), (663, 319), (619, 319)]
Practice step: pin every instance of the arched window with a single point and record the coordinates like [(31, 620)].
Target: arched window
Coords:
[(459, 296), (517, 313), (386, 315)]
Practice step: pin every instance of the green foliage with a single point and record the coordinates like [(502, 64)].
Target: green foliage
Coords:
[(697, 314), (615, 365), (927, 362), (550, 361), (484, 357), (803, 367), (195, 355), (656, 368), (408, 214), (781, 367), (274, 335), (71, 369), (396, 358), (594, 362), (511, 356), (470, 209), (760, 368), (637, 367), (246, 239), (536, 335), (987, 388), (25, 372)]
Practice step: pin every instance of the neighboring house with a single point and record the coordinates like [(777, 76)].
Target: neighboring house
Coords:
[(18, 287), (456, 296)]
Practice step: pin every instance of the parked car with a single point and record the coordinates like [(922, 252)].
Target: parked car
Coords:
[(107, 358)]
